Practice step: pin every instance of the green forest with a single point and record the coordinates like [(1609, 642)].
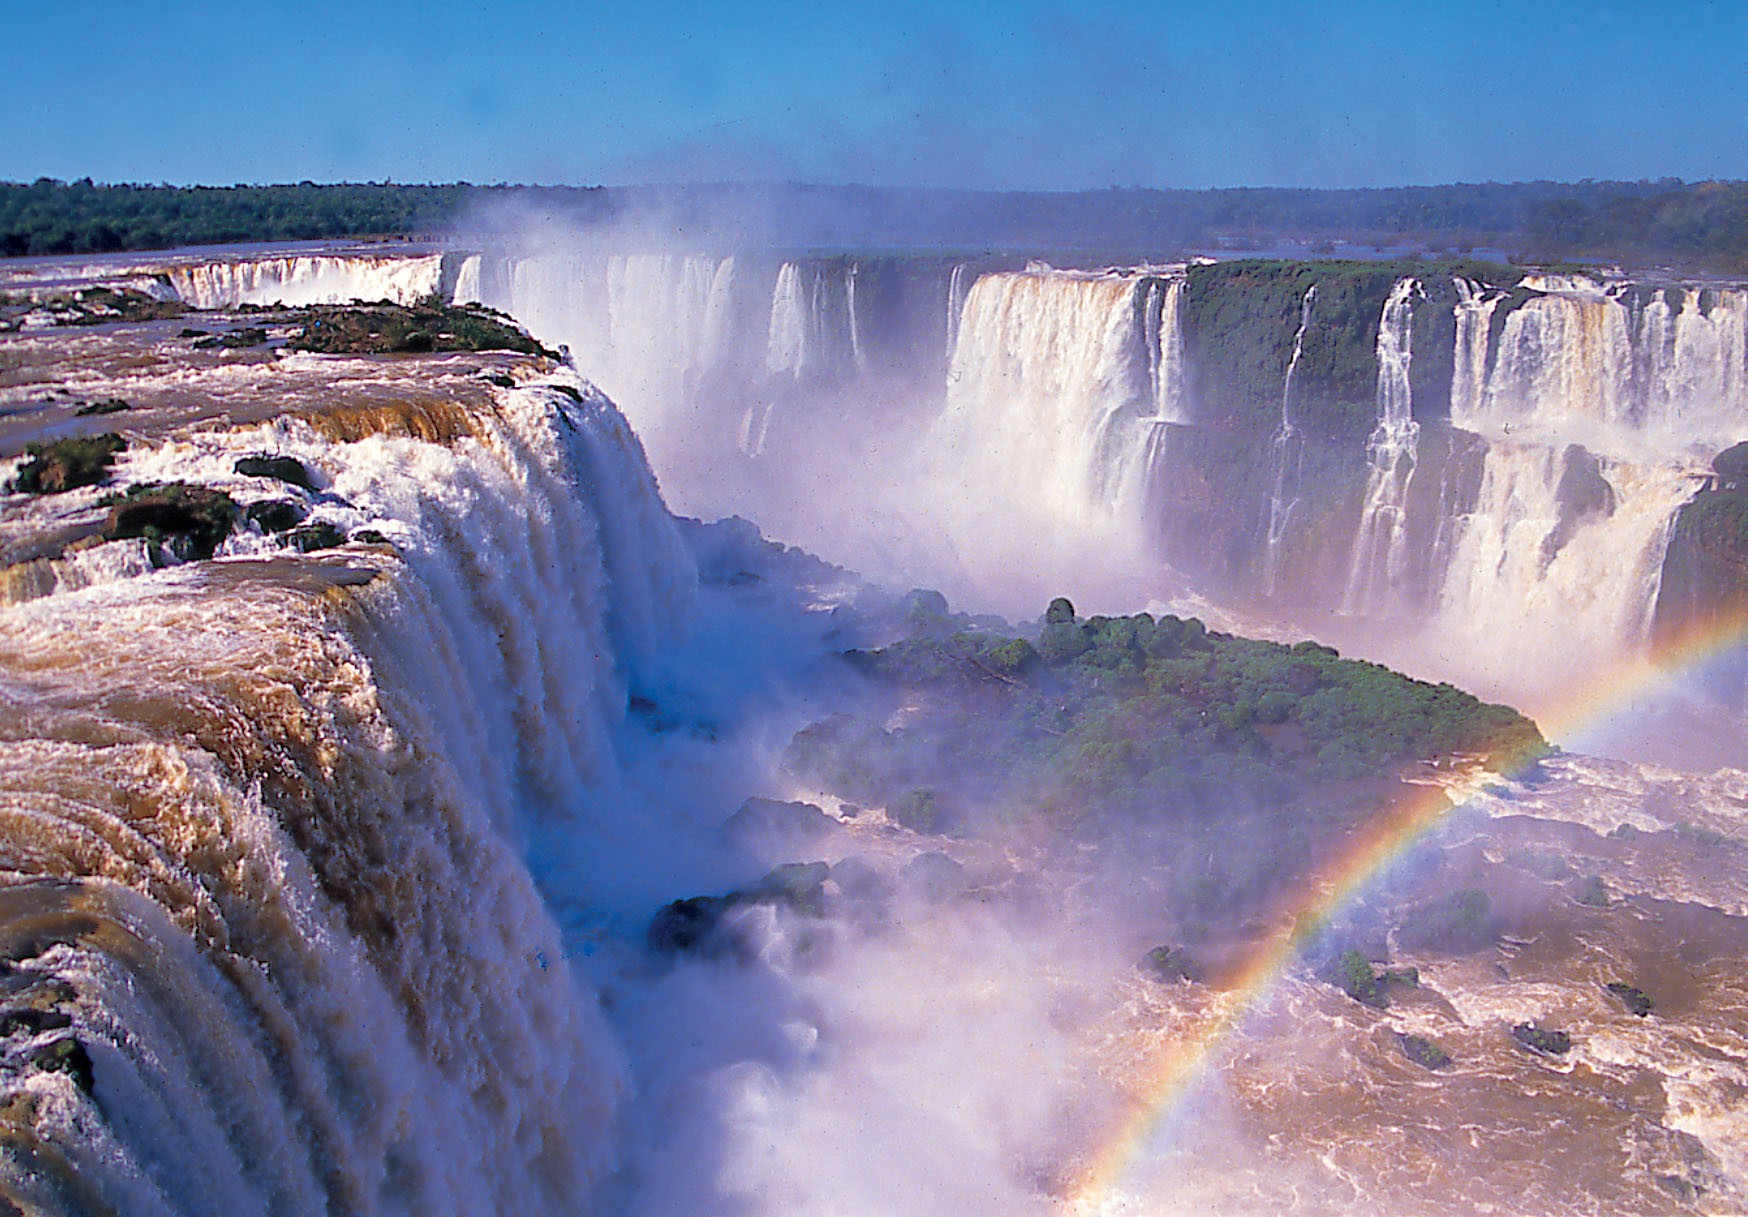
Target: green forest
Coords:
[(1695, 224)]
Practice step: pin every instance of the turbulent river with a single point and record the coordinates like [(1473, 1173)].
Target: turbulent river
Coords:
[(327, 868)]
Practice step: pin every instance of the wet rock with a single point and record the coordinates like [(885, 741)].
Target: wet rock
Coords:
[(233, 340), (1552, 1043), (933, 876), (763, 822), (191, 520), (29, 1020), (109, 405), (699, 924), (859, 879), (67, 463), (1634, 998), (1423, 1052), (1170, 965), (689, 925), (797, 885), (274, 515), (65, 1055), (311, 537), (282, 468), (1731, 466)]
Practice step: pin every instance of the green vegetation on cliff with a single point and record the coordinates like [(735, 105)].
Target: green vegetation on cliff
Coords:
[(1137, 716), (1241, 317)]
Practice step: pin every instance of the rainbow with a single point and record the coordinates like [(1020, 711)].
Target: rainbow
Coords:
[(1174, 1073)]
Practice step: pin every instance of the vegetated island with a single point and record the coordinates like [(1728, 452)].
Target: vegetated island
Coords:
[(1104, 721)]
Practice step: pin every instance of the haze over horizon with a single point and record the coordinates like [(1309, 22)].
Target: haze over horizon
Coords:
[(1040, 95)]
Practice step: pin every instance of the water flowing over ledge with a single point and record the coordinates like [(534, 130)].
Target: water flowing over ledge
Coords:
[(261, 871)]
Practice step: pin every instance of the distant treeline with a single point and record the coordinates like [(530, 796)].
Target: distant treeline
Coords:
[(1702, 224)]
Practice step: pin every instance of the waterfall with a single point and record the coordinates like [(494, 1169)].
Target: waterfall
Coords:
[(1561, 360), (809, 337), (307, 279), (1379, 551), (856, 356), (1474, 316), (1652, 388), (1052, 407), (1692, 364), (1550, 571), (956, 290), (1165, 347), (262, 893), (1286, 458)]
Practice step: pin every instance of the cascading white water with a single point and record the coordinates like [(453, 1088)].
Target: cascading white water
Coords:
[(956, 292), (1571, 366), (260, 818), (1054, 391), (307, 279), (1474, 315), (1528, 582), (1692, 365), (1286, 458), (1165, 348), (814, 331), (1674, 376), (794, 335), (856, 356), (1560, 359), (1379, 550)]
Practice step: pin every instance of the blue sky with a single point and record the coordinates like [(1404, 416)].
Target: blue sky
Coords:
[(1018, 94)]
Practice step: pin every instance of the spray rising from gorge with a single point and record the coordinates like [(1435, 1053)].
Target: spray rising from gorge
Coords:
[(520, 676)]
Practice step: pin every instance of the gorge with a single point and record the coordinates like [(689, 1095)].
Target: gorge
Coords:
[(333, 848)]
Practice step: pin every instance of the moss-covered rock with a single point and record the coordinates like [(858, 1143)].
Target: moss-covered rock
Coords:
[(1551, 1043), (1352, 973), (412, 329), (1423, 1052), (1632, 997), (192, 521), (65, 464)]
